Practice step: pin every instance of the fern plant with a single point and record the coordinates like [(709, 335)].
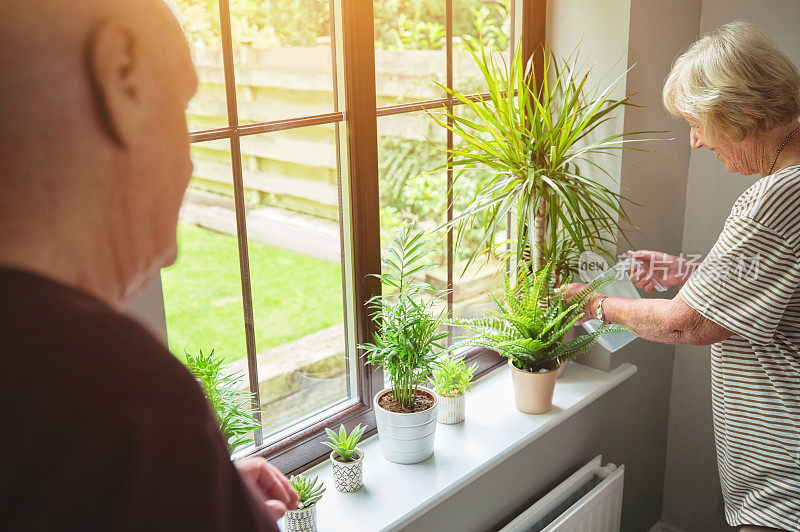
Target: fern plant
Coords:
[(530, 320), (308, 490), (343, 444), (231, 404), (407, 342), (453, 377)]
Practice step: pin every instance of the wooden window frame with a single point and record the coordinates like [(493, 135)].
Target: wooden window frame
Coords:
[(300, 449)]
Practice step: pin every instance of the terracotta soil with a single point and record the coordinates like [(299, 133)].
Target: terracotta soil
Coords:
[(422, 401)]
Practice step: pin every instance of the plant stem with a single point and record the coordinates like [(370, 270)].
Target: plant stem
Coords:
[(537, 234)]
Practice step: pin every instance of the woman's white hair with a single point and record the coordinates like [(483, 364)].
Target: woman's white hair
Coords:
[(733, 82)]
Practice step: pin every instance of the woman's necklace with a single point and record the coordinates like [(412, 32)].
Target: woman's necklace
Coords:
[(775, 160)]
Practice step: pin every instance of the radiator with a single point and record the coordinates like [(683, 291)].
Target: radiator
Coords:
[(588, 501)]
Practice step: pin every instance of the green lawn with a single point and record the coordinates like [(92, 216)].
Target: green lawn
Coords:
[(293, 295)]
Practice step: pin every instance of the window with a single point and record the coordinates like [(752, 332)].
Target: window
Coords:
[(307, 125)]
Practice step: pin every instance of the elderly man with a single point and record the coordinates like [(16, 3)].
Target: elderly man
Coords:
[(741, 97), (103, 428)]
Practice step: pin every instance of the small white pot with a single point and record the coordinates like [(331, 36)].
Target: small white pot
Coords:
[(348, 477), (406, 438), (451, 410), (304, 520)]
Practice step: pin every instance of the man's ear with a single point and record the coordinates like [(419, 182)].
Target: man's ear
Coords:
[(116, 72)]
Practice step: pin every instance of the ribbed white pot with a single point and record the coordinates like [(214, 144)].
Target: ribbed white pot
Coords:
[(348, 477), (451, 409), (406, 438), (304, 520)]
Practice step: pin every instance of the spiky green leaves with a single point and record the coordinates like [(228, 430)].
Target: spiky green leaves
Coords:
[(342, 443), (231, 404), (537, 133), (307, 489)]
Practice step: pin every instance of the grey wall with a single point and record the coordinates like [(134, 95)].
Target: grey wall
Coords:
[(629, 425), (692, 497)]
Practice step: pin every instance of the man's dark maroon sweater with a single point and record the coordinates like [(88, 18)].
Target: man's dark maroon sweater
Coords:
[(102, 428)]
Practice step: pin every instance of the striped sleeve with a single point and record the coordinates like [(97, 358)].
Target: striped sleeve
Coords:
[(746, 281)]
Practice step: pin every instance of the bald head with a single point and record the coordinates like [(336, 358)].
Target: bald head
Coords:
[(92, 129)]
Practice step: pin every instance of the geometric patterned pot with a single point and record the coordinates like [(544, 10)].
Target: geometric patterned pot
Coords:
[(451, 409), (348, 476), (304, 520)]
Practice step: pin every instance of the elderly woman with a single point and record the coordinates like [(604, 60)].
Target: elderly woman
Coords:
[(741, 97)]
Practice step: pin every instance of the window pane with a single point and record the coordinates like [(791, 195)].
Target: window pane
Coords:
[(474, 19), (200, 21), (404, 156), (202, 290), (293, 213), (283, 58), (409, 50)]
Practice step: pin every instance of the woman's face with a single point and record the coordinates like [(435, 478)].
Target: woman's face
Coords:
[(734, 156)]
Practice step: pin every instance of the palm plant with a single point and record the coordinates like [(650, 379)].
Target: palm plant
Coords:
[(536, 132), (231, 404), (409, 333), (307, 489), (530, 320)]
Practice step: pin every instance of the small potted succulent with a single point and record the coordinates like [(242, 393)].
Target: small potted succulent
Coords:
[(452, 379), (346, 458), (528, 327), (231, 404), (304, 519), (406, 346)]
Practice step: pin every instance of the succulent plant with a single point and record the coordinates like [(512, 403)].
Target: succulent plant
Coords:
[(307, 489), (343, 444)]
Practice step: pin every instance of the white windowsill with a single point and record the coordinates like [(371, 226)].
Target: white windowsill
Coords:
[(493, 430)]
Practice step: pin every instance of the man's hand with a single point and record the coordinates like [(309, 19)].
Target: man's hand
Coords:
[(654, 270), (278, 494), (569, 291)]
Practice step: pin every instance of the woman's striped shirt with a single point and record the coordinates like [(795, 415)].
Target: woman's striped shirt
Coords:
[(750, 284)]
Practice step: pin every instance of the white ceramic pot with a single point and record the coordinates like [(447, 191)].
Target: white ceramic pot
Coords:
[(304, 520), (348, 477), (406, 438), (451, 409)]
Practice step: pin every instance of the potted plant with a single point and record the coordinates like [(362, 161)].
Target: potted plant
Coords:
[(346, 458), (304, 519), (527, 326), (452, 379), (231, 404), (406, 346), (537, 133)]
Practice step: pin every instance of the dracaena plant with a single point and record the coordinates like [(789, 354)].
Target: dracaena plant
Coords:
[(407, 342), (231, 404), (308, 490), (538, 134), (452, 377), (530, 319), (342, 443)]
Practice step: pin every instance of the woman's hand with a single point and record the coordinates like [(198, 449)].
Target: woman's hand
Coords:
[(569, 291), (654, 270), (270, 483)]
